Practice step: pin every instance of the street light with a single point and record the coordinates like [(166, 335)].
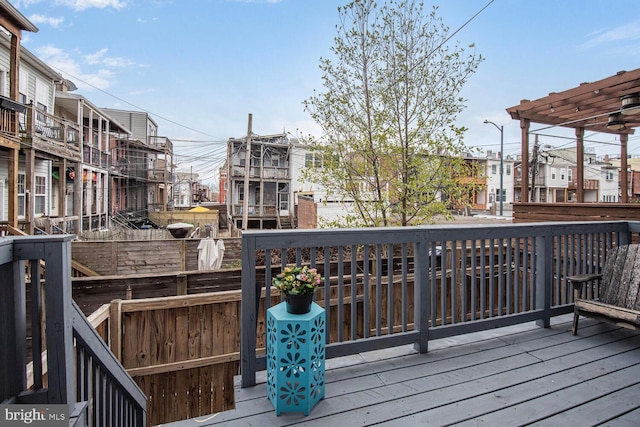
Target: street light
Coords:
[(501, 129)]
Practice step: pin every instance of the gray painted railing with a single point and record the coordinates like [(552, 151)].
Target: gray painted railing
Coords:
[(444, 280), (91, 377)]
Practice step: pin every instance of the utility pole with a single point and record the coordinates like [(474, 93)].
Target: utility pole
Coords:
[(534, 169), (247, 169)]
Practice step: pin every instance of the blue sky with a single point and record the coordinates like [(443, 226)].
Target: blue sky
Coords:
[(199, 67)]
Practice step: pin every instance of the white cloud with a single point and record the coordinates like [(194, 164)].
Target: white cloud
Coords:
[(64, 63), (100, 58), (145, 20), (88, 4), (626, 33), (256, 1), (41, 19)]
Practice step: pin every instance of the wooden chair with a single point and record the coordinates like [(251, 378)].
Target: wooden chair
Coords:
[(614, 294)]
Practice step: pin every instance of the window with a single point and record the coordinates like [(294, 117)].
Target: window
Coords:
[(313, 160), (608, 175), (494, 169), (23, 86), (3, 82), (41, 195), (553, 173), (508, 169), (562, 173), (501, 197), (42, 100), (21, 194)]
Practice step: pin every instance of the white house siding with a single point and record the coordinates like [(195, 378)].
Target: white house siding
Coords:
[(493, 181), (140, 124)]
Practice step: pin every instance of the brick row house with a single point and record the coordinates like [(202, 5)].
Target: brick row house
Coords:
[(61, 157)]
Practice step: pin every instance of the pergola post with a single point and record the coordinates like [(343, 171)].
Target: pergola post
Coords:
[(624, 178), (524, 188), (580, 164)]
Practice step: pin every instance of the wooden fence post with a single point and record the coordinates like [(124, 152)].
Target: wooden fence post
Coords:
[(115, 328), (181, 285)]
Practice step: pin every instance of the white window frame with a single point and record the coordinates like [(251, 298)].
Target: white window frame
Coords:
[(21, 189), (3, 82), (40, 195)]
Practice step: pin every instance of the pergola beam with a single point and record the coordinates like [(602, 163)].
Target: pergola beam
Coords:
[(586, 107)]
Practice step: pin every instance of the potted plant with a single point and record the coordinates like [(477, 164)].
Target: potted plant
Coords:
[(298, 284)]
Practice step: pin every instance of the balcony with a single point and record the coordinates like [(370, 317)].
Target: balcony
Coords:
[(393, 294), (9, 110), (50, 133), (437, 324), (540, 181), (161, 143)]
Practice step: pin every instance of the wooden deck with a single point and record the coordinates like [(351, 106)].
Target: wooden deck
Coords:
[(521, 375)]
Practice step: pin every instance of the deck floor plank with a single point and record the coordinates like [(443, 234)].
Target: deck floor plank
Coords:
[(517, 376)]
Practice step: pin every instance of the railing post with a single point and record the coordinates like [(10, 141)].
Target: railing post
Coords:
[(13, 351), (421, 294), (250, 304), (57, 256), (544, 277)]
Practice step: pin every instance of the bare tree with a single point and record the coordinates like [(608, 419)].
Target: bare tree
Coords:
[(388, 110)]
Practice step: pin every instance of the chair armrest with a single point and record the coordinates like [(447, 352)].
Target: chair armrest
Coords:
[(580, 279)]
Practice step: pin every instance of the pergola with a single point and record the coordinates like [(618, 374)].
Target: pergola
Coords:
[(610, 105)]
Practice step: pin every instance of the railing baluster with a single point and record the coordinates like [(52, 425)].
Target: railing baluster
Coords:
[(390, 311), (366, 305), (340, 294), (405, 295), (508, 272), (354, 288), (36, 322), (378, 290)]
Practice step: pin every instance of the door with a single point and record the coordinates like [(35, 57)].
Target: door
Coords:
[(283, 199)]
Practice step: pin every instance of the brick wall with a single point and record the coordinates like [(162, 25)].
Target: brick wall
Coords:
[(307, 212)]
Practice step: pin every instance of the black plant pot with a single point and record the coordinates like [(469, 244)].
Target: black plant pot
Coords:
[(299, 304)]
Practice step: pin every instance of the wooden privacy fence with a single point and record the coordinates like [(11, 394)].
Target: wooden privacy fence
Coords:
[(119, 257), (533, 212)]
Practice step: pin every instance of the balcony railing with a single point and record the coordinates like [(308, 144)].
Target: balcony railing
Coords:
[(588, 184), (161, 142), (80, 370), (38, 125), (9, 110), (256, 210), (386, 287)]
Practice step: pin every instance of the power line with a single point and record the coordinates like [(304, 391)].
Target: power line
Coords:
[(134, 105)]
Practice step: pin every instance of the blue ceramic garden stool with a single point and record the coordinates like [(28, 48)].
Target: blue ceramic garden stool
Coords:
[(295, 358)]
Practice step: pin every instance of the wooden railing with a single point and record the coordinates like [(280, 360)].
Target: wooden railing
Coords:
[(80, 371), (50, 128), (415, 284)]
